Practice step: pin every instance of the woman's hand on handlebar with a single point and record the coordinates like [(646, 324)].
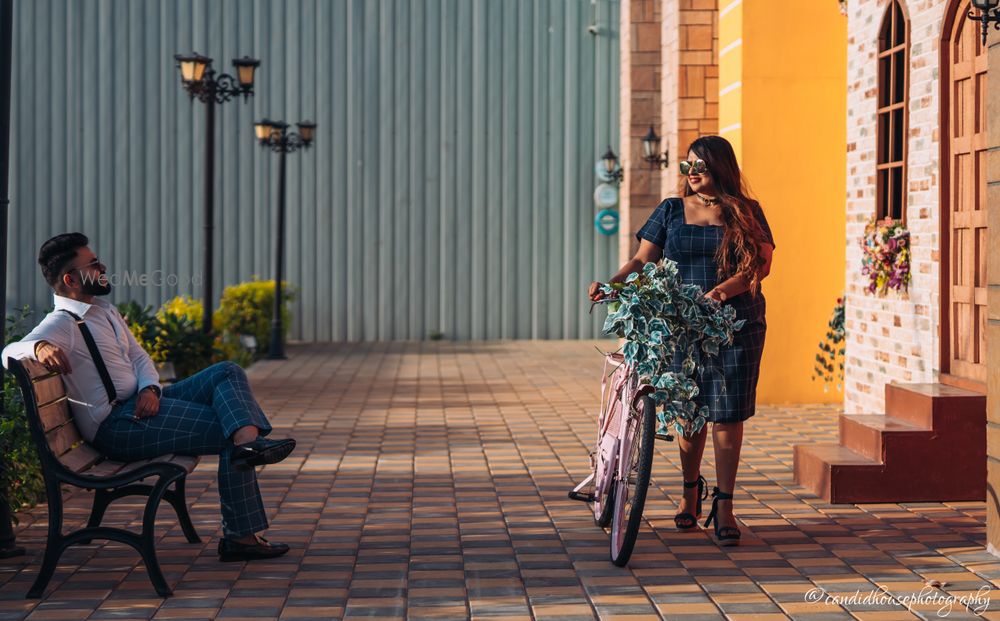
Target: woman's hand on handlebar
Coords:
[(594, 292)]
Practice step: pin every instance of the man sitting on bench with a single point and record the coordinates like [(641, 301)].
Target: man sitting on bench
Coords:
[(119, 407)]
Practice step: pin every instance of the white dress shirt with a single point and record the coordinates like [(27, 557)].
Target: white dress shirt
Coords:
[(130, 367)]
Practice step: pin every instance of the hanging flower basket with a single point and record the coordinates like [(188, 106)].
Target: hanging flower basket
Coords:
[(886, 256)]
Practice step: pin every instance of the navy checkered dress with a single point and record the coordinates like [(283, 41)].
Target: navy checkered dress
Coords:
[(693, 248)]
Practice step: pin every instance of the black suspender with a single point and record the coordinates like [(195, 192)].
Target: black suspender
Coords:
[(95, 354)]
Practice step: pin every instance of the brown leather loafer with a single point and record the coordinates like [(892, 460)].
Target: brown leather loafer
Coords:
[(232, 551)]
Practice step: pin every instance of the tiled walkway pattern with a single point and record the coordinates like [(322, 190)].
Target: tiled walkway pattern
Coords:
[(430, 482)]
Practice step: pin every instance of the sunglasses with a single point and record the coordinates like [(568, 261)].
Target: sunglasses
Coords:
[(697, 167), (95, 263)]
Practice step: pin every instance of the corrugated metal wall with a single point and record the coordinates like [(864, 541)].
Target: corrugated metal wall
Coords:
[(450, 184)]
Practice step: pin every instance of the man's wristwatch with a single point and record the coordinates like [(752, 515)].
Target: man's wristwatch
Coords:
[(156, 390)]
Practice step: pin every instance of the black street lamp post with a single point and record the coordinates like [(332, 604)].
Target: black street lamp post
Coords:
[(8, 543), (201, 82), (274, 135)]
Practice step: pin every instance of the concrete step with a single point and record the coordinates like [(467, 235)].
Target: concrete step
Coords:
[(869, 434), (930, 446)]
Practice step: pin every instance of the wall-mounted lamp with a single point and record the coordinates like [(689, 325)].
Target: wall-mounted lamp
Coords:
[(988, 12), (651, 150), (611, 166)]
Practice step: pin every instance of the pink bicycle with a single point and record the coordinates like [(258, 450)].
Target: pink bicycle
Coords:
[(622, 458)]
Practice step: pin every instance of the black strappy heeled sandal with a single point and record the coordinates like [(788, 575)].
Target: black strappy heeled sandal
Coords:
[(686, 521), (726, 535)]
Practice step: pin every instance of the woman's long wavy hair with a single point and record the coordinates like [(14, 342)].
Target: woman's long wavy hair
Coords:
[(742, 231)]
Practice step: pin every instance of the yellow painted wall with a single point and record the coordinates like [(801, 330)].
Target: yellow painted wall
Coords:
[(785, 113)]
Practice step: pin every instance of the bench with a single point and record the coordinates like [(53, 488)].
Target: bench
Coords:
[(67, 458)]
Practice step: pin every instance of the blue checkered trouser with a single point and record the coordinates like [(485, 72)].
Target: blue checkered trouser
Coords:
[(197, 416)]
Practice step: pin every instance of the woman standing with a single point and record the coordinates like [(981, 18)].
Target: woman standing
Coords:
[(720, 240)]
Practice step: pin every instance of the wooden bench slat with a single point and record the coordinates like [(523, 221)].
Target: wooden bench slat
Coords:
[(185, 461), (36, 370), (109, 467), (81, 458), (106, 468), (48, 388), (55, 414), (62, 439), (188, 462)]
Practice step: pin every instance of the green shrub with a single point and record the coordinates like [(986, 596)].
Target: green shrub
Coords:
[(21, 483), (178, 337), (141, 322), (228, 347), (246, 308), (173, 333)]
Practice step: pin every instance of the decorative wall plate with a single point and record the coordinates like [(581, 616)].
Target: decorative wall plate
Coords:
[(606, 195), (606, 221)]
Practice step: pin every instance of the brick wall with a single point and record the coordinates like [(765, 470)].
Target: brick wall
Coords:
[(698, 72), (670, 78), (640, 105), (690, 100), (893, 338)]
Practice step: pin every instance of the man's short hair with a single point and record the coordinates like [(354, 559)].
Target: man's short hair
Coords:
[(59, 252)]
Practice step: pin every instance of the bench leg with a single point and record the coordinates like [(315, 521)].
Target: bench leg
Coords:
[(147, 548), (178, 501), (54, 544), (176, 498), (102, 498)]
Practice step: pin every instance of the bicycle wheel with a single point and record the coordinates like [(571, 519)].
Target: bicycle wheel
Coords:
[(630, 492)]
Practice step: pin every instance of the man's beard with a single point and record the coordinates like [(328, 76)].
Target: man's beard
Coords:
[(94, 287)]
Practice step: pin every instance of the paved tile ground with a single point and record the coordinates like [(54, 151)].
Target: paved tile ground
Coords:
[(430, 483)]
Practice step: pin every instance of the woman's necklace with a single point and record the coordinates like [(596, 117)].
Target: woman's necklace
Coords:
[(708, 201)]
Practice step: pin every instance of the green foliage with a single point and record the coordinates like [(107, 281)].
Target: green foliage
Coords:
[(173, 333), (247, 308), (830, 359), (21, 483), (141, 322), (228, 347), (178, 337), (660, 318)]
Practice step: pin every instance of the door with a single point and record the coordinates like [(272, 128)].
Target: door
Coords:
[(963, 208)]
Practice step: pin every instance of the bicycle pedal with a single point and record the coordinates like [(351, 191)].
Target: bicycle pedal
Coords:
[(665, 436), (582, 497)]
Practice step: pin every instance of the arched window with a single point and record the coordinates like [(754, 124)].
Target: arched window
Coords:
[(893, 87)]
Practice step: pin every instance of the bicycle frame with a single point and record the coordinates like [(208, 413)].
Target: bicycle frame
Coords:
[(607, 465)]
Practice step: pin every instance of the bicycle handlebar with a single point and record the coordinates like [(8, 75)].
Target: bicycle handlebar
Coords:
[(607, 299)]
